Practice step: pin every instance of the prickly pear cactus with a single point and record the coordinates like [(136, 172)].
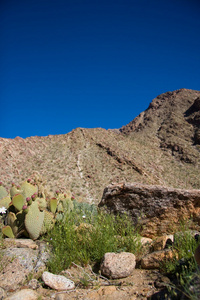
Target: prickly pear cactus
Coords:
[(11, 221), (18, 201), (4, 202), (7, 231), (28, 189), (48, 223), (53, 204), (68, 205), (29, 213), (14, 190), (34, 220)]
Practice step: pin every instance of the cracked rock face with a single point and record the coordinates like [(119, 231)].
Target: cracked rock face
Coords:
[(158, 209)]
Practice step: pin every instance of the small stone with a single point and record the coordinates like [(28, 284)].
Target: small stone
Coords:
[(146, 241), (33, 284), (153, 260), (57, 282), (118, 265), (25, 294)]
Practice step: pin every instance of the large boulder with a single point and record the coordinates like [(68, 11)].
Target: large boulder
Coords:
[(157, 208)]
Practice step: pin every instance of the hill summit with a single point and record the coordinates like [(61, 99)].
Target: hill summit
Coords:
[(160, 146)]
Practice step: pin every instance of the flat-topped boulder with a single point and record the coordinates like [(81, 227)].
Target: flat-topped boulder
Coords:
[(157, 208)]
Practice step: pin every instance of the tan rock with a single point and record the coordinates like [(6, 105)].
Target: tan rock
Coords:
[(57, 282), (154, 260), (25, 294), (146, 241), (20, 243), (102, 293), (15, 275), (118, 265), (160, 242)]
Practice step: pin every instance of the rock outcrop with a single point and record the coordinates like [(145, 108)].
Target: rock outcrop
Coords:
[(158, 209)]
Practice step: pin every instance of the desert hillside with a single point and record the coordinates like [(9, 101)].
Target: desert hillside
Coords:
[(160, 146)]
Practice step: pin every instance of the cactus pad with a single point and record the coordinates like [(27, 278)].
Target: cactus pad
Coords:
[(18, 201), (12, 222), (53, 204), (28, 189), (48, 223), (42, 204), (34, 220), (5, 201), (7, 231)]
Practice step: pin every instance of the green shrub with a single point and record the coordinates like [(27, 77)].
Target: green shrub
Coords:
[(84, 239)]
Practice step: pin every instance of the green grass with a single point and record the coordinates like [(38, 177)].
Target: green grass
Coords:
[(85, 238), (183, 269)]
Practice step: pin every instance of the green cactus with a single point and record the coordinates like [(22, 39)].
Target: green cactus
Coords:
[(48, 223), (28, 189), (14, 190), (60, 207), (12, 222), (53, 204), (7, 231), (3, 192), (5, 201), (68, 205), (18, 201), (42, 203), (34, 220), (29, 213)]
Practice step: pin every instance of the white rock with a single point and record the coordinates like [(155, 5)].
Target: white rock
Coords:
[(25, 294), (57, 282)]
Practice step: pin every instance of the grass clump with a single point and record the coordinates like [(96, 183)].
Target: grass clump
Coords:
[(85, 238), (182, 269)]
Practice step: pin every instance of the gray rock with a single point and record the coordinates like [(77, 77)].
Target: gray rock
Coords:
[(26, 257), (57, 282), (118, 265)]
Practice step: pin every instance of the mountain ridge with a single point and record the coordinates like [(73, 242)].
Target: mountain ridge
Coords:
[(160, 146)]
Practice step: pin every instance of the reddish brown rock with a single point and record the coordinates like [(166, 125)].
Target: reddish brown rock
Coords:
[(157, 208), (154, 260)]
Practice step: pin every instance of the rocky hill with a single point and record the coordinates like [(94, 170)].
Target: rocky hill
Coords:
[(160, 146)]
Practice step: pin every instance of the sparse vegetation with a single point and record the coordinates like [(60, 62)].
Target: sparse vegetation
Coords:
[(84, 237), (183, 269)]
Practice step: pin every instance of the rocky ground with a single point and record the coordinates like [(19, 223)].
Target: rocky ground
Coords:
[(23, 266)]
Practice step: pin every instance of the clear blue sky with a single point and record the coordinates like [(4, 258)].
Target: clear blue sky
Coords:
[(92, 63)]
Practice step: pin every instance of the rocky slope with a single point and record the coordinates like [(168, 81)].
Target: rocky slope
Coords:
[(160, 146)]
